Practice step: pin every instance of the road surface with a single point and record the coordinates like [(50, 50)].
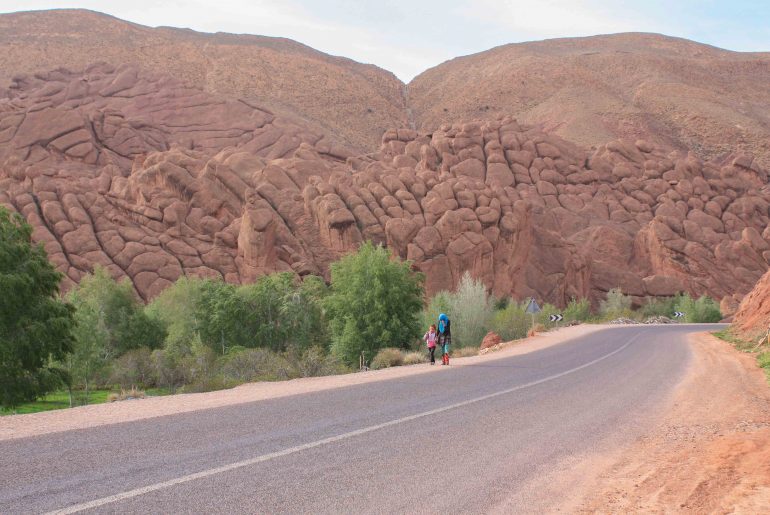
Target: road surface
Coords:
[(469, 439)]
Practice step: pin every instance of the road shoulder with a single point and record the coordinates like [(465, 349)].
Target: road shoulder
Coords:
[(710, 453), (22, 426)]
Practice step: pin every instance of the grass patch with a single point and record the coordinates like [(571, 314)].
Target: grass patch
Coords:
[(763, 356), (464, 352), (61, 400)]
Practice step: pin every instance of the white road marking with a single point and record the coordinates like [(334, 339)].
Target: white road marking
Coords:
[(318, 443)]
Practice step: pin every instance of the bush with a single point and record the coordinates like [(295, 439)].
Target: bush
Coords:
[(659, 306), (413, 358), (578, 310), (248, 365), (133, 393), (470, 312), (616, 305), (387, 357), (464, 352), (512, 322), (134, 368), (703, 310), (373, 303), (315, 362)]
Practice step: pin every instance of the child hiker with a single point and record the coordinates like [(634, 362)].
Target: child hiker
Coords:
[(430, 338), (444, 337)]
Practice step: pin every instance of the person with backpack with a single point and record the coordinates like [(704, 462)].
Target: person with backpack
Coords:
[(430, 338), (444, 337)]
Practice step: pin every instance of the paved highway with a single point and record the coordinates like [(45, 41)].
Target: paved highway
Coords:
[(466, 440)]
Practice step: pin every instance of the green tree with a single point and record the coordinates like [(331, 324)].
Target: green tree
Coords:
[(374, 302), (35, 325), (110, 320)]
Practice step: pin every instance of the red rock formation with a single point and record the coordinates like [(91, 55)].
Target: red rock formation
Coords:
[(752, 320), (153, 180)]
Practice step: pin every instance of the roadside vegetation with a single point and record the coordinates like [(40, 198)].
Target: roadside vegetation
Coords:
[(100, 343), (759, 348)]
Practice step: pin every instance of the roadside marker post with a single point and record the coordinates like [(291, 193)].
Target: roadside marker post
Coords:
[(679, 314), (533, 309)]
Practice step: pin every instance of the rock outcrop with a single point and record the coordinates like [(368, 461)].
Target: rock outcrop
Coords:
[(752, 320), (153, 180)]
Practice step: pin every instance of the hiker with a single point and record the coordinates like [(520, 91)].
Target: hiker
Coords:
[(444, 337), (430, 338)]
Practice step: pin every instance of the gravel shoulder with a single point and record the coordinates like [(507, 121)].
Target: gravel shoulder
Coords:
[(21, 426), (709, 452)]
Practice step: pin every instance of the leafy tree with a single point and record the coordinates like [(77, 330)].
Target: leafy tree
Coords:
[(178, 308), (373, 303), (35, 325), (110, 320)]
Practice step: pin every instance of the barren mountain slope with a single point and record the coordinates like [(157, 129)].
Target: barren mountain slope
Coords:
[(153, 180), (354, 102), (670, 91)]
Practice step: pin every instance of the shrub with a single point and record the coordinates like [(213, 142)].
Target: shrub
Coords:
[(413, 358), (247, 365), (616, 305), (373, 303), (703, 310), (315, 362), (133, 393), (464, 352), (512, 322), (577, 310), (470, 312), (659, 306), (388, 357), (134, 368)]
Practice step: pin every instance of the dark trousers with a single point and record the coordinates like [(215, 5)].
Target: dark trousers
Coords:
[(432, 352)]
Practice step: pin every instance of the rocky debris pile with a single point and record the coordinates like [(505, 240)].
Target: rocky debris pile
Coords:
[(623, 321), (659, 320), (490, 340), (153, 180)]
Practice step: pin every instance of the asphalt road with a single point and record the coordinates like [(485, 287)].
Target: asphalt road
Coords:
[(466, 440)]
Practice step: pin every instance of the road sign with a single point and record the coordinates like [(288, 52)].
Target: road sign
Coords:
[(532, 307), (556, 318), (678, 314)]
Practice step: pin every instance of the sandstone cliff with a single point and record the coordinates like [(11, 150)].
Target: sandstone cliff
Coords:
[(153, 179)]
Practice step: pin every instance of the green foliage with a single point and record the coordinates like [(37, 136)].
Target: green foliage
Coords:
[(470, 312), (615, 305), (577, 310), (703, 310), (35, 325), (110, 321), (387, 357), (134, 368), (512, 322), (373, 303), (440, 303), (177, 308)]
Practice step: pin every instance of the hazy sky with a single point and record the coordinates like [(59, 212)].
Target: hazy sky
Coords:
[(406, 37)]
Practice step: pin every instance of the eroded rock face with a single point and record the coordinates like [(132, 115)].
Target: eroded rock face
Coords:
[(153, 180), (752, 320)]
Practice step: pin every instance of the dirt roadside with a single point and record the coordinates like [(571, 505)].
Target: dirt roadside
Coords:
[(21, 426), (710, 452)]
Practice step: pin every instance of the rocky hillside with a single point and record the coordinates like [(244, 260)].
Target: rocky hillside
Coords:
[(752, 319), (353, 102), (671, 92), (154, 179)]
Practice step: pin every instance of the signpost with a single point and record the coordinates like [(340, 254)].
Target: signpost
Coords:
[(556, 318), (679, 314), (533, 309)]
